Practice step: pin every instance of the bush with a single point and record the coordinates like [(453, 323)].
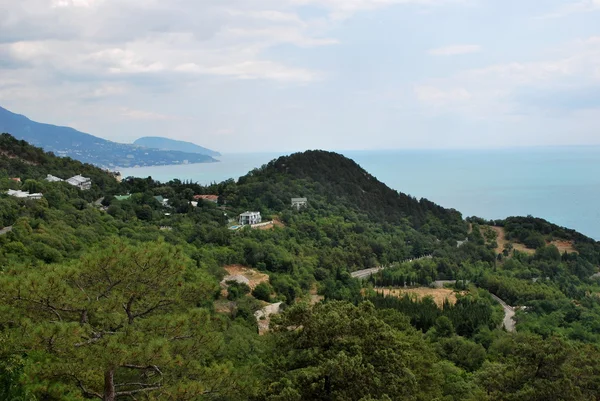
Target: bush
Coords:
[(236, 290), (263, 292)]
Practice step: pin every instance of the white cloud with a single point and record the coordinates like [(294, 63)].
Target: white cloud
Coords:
[(437, 96), (574, 8), (101, 38), (455, 50), (143, 115), (75, 3), (252, 70), (341, 9), (491, 91)]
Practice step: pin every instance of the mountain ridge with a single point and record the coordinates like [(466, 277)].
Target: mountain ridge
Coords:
[(162, 143), (87, 148)]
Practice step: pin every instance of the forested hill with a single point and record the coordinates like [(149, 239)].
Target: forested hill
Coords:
[(340, 180), (22, 160), (140, 297)]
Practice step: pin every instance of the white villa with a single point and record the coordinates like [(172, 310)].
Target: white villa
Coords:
[(80, 182), (299, 203), (250, 218), (51, 178), (24, 195)]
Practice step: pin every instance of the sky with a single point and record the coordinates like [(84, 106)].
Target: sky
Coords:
[(290, 75)]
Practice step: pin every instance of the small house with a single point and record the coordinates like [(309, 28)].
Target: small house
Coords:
[(80, 182), (122, 197), (51, 178), (162, 201), (249, 218), (299, 203), (24, 195)]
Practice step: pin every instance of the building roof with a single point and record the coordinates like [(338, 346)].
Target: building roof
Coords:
[(294, 200), (248, 214), (52, 178), (23, 194), (122, 197), (78, 179)]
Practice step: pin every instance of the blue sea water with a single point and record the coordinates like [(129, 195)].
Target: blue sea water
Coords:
[(561, 185)]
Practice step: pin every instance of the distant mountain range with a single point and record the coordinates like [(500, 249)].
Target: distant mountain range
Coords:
[(157, 142), (65, 141)]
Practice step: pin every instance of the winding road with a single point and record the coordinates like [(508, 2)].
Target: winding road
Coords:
[(369, 272), (509, 312)]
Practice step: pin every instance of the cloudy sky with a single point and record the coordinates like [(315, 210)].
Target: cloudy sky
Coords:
[(282, 75)]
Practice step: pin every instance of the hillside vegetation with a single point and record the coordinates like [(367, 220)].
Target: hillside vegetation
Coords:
[(122, 299)]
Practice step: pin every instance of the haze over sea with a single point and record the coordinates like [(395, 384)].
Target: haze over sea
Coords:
[(560, 185)]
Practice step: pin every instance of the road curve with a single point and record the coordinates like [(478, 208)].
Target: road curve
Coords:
[(369, 272), (509, 315)]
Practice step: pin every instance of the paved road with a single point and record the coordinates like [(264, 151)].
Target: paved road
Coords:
[(509, 312), (366, 272), (509, 315), (369, 272), (5, 230)]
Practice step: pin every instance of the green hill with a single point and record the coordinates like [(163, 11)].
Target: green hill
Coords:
[(121, 299), (337, 180), (19, 159)]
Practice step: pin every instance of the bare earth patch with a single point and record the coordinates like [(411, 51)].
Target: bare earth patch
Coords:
[(314, 297), (563, 246), (439, 295), (263, 226), (270, 225), (263, 316), (224, 306), (252, 275), (501, 240)]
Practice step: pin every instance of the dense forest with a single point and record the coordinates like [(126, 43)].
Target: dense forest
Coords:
[(116, 294)]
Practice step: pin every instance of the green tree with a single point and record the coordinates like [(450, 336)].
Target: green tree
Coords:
[(444, 327), (121, 322), (263, 292), (527, 367), (338, 351)]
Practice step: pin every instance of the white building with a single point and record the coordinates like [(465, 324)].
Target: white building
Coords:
[(250, 218), (51, 178), (80, 182), (24, 194), (299, 202)]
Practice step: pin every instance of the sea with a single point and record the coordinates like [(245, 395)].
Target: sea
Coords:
[(561, 185)]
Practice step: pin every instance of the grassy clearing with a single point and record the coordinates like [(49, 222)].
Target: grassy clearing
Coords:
[(252, 275), (439, 295)]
